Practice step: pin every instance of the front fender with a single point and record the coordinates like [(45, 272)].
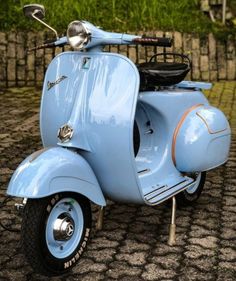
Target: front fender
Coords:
[(55, 170)]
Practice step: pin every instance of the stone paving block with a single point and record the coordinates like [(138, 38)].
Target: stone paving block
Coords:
[(11, 36), (11, 50), (11, 70), (178, 41), (132, 54), (221, 62), (231, 72), (3, 38), (187, 44)]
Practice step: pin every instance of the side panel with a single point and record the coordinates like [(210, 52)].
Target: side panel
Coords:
[(203, 140), (98, 100), (55, 170)]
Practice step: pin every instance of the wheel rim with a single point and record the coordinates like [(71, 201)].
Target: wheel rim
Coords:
[(194, 187), (64, 228)]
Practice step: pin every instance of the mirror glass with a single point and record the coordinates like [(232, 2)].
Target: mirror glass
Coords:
[(34, 9)]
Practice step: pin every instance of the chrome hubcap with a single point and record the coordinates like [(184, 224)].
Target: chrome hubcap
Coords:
[(63, 228)]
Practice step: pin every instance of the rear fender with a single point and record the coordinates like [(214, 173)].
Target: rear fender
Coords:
[(54, 170)]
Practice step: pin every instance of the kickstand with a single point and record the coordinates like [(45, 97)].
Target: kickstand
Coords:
[(171, 240), (99, 224)]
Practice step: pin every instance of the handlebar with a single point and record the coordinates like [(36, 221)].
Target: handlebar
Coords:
[(50, 44), (47, 45), (154, 41), (109, 38)]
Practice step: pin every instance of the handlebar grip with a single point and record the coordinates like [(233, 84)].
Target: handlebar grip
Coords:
[(43, 46), (154, 41)]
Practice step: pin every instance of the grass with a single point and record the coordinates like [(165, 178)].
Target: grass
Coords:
[(116, 15)]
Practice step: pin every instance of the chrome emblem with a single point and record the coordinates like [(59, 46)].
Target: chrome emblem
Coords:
[(65, 133), (52, 84)]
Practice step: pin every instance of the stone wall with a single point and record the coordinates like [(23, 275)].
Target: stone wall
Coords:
[(212, 59)]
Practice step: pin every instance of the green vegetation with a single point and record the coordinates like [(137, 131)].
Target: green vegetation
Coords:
[(122, 15), (232, 5)]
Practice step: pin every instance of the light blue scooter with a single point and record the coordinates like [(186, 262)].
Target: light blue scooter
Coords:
[(111, 129)]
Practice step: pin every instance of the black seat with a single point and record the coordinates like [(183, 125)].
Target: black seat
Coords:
[(155, 74)]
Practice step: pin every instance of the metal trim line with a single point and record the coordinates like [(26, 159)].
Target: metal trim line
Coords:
[(178, 128), (208, 128)]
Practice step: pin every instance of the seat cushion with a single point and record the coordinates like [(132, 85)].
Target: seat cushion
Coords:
[(153, 74)]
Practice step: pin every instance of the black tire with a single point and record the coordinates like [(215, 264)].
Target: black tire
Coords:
[(185, 198), (35, 227), (136, 138)]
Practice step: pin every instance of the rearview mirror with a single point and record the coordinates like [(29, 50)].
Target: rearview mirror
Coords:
[(34, 10)]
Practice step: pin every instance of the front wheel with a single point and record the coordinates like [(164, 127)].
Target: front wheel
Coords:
[(55, 231), (190, 195)]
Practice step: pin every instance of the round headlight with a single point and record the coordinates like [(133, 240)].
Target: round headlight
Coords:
[(77, 34)]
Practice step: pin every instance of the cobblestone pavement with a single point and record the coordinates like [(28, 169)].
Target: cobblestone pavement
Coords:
[(132, 245)]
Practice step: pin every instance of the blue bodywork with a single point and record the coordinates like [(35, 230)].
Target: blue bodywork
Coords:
[(97, 94), (194, 85), (98, 101), (205, 139), (55, 170)]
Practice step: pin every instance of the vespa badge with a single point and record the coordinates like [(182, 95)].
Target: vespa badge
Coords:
[(52, 84)]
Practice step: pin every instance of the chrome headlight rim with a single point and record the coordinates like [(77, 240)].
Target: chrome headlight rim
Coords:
[(83, 41)]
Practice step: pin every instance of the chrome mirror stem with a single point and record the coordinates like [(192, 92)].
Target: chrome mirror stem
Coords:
[(48, 26)]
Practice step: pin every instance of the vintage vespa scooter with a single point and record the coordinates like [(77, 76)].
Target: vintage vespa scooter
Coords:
[(111, 129)]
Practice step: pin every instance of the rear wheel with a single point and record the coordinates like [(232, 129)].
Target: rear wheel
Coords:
[(191, 195), (136, 138), (55, 231)]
